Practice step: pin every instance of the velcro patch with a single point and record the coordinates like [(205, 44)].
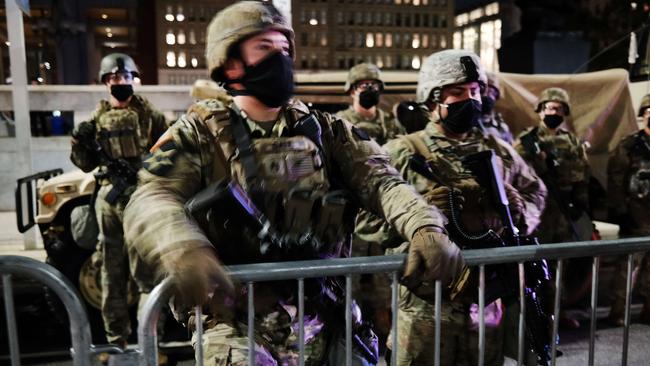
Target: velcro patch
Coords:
[(363, 135)]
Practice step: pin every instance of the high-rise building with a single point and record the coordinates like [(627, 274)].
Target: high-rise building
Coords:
[(479, 30), (180, 38), (394, 34)]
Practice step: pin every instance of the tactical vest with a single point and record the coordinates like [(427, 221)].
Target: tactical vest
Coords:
[(639, 155), (478, 213), (297, 196), (124, 132), (569, 156)]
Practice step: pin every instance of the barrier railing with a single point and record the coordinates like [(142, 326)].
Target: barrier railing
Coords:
[(392, 264), (82, 348)]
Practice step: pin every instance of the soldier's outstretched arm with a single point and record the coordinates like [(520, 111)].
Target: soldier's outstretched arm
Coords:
[(366, 169), (155, 223)]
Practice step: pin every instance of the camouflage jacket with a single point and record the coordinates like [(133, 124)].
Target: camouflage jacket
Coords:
[(195, 151), (568, 172), (628, 182), (448, 166), (151, 125), (382, 128)]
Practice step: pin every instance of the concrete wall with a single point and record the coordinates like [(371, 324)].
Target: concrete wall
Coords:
[(53, 152)]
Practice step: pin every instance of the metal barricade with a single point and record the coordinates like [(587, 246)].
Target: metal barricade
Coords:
[(300, 270), (82, 348)]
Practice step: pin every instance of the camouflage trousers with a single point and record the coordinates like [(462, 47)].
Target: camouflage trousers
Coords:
[(458, 343), (276, 340), (117, 266)]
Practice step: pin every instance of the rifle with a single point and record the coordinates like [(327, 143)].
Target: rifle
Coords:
[(229, 196), (118, 171), (484, 168)]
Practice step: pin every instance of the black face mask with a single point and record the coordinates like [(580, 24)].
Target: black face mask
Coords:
[(369, 98), (462, 116), (270, 81), (553, 120), (122, 92), (488, 104)]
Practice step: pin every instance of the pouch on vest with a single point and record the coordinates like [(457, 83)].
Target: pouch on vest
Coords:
[(118, 133)]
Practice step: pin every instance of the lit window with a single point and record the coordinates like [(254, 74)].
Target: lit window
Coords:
[(443, 42), (179, 16), (389, 40), (170, 39), (458, 40), (425, 40), (171, 59), (182, 62), (323, 17), (415, 63), (398, 2), (323, 39), (194, 62), (416, 41), (180, 38), (475, 14), (370, 41), (169, 16), (425, 2), (379, 40), (389, 61), (192, 37), (434, 41), (380, 61)]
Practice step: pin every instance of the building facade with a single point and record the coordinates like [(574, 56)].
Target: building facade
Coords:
[(394, 34), (479, 30)]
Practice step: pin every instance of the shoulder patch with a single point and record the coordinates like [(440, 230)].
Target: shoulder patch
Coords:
[(161, 160), (361, 134)]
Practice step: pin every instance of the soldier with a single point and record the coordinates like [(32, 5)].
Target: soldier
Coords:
[(413, 116), (491, 120), (119, 133), (364, 85), (450, 84), (243, 145), (628, 173), (559, 158)]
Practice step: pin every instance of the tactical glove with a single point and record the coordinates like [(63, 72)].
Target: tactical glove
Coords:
[(440, 197), (196, 274), (84, 132), (432, 256)]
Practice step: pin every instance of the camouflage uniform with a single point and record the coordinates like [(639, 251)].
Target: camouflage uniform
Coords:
[(416, 327), (629, 196), (201, 148), (567, 180), (108, 121)]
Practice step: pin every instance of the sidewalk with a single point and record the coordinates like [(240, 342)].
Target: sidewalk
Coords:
[(11, 241)]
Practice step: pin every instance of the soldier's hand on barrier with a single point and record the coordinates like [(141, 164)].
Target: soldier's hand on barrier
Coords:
[(440, 198), (432, 256), (84, 132), (196, 274)]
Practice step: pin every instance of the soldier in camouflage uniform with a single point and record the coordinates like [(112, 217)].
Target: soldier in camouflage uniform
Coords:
[(450, 84), (364, 85), (125, 126), (491, 120), (560, 159), (628, 173), (297, 177)]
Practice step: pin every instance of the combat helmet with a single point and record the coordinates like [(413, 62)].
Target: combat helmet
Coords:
[(115, 62), (238, 22), (493, 81), (448, 67), (363, 71), (554, 94), (645, 103)]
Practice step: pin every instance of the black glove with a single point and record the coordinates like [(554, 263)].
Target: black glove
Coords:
[(84, 132)]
